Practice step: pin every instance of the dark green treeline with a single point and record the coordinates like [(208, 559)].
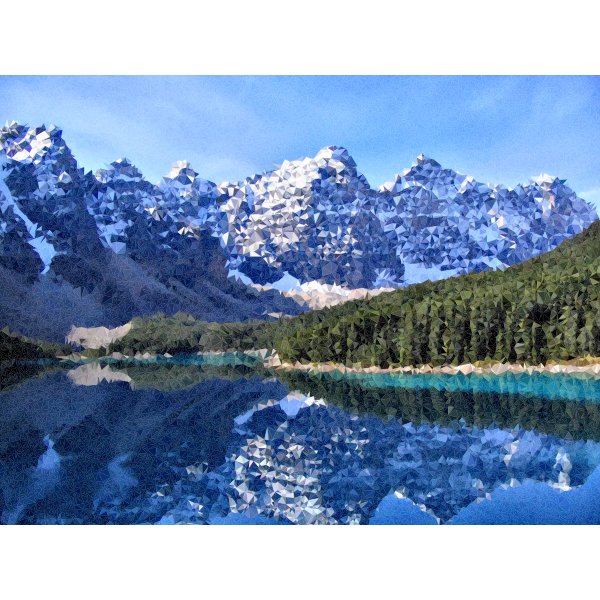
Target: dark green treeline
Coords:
[(184, 333), (14, 346), (545, 308)]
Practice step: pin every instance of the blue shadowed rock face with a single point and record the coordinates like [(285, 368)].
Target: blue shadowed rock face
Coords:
[(45, 183), (317, 219), (439, 218), (16, 252), (161, 227), (121, 247), (119, 205)]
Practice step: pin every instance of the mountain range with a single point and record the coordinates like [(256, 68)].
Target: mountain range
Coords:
[(123, 247)]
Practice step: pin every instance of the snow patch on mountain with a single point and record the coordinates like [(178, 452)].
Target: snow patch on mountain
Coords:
[(315, 221)]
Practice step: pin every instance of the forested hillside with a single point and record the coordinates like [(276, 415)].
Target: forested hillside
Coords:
[(184, 333), (544, 308), (16, 346)]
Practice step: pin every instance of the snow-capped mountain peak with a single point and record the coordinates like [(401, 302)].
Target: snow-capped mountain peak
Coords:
[(316, 218)]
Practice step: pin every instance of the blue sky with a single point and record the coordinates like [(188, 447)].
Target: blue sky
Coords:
[(498, 129)]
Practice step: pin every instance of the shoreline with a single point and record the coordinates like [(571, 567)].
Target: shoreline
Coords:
[(566, 367), (271, 360)]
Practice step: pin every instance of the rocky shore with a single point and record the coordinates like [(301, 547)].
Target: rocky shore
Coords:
[(588, 364)]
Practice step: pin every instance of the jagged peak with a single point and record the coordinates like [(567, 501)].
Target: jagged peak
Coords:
[(122, 168), (547, 181), (181, 171), (325, 154), (338, 154), (334, 159), (424, 160), (20, 142)]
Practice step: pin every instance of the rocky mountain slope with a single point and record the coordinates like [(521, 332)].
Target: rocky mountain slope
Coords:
[(123, 247)]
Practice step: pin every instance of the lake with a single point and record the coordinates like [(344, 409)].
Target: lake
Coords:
[(193, 440)]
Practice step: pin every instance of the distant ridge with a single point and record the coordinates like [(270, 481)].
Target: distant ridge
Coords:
[(543, 309), (126, 247)]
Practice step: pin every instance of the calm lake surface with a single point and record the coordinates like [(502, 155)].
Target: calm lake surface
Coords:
[(194, 441)]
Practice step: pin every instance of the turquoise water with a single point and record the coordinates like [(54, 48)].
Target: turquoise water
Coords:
[(553, 386), (219, 440)]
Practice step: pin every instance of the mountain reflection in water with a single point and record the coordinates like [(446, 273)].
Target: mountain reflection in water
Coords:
[(210, 443)]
